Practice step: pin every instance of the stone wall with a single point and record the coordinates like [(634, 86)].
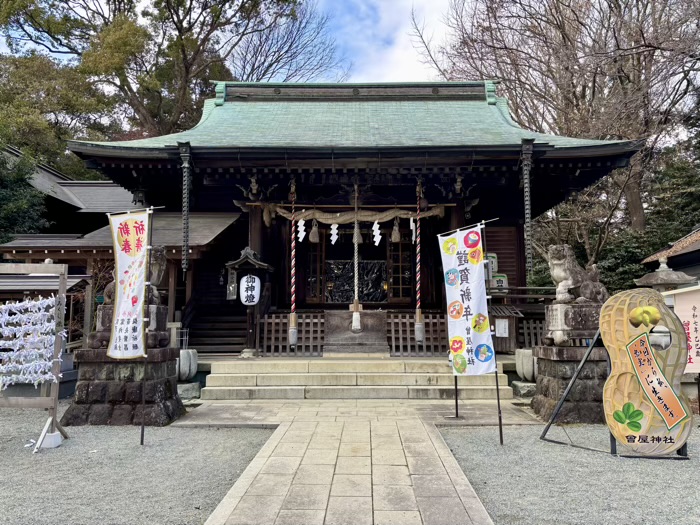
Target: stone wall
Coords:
[(555, 368), (109, 391)]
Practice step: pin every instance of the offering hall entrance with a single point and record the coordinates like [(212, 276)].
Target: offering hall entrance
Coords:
[(386, 271)]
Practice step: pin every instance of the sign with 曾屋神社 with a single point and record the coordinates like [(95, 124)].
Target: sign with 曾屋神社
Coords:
[(468, 326), (644, 406), (130, 234)]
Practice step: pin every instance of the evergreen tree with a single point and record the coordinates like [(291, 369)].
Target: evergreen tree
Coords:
[(21, 206)]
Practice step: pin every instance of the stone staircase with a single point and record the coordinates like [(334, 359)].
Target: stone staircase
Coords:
[(351, 378)]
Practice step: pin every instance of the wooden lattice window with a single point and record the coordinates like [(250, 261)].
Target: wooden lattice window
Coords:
[(401, 269)]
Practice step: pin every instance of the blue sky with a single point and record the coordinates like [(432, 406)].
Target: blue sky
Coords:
[(375, 36)]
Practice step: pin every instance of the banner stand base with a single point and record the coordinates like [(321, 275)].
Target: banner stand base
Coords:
[(51, 439)]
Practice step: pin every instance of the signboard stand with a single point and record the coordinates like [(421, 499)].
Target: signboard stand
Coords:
[(51, 403), (681, 454), (475, 308), (123, 237)]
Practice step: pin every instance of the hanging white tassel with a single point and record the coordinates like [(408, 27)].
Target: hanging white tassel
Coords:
[(395, 233)]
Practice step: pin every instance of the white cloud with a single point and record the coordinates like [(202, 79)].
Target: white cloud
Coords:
[(376, 36)]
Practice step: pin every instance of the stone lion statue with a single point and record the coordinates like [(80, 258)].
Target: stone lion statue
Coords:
[(574, 284)]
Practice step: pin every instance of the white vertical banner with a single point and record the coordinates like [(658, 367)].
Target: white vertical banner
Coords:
[(468, 326), (130, 236)]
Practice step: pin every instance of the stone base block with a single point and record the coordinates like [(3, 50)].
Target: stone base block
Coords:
[(523, 389), (580, 412), (189, 390), (111, 392), (339, 337)]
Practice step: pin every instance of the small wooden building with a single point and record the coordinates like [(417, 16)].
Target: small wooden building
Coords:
[(448, 149)]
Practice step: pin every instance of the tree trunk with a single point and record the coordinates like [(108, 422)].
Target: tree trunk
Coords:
[(635, 208)]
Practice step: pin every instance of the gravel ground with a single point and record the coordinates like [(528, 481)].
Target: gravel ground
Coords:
[(101, 475), (530, 481)]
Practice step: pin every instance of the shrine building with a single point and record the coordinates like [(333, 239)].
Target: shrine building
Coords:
[(418, 159)]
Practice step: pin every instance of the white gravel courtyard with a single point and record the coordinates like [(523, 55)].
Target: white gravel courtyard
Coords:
[(530, 481), (103, 476)]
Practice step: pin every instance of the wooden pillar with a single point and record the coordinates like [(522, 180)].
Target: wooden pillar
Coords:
[(89, 303), (172, 280), (250, 330), (457, 219), (255, 224)]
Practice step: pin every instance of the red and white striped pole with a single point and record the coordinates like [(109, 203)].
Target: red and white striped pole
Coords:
[(293, 333), (419, 326)]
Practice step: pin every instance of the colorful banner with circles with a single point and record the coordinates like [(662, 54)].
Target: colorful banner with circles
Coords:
[(468, 326)]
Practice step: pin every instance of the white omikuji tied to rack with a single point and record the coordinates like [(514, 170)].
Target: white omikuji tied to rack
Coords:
[(468, 324), (31, 340)]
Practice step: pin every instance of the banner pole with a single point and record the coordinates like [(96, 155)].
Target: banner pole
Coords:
[(148, 312), (470, 226), (498, 400), (456, 399), (487, 264)]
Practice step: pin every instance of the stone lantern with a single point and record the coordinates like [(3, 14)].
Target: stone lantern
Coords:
[(664, 279)]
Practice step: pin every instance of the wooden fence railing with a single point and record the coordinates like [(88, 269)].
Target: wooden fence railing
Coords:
[(402, 340), (274, 340), (400, 331), (531, 332)]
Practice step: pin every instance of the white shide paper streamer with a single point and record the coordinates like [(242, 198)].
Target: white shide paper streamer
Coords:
[(27, 334)]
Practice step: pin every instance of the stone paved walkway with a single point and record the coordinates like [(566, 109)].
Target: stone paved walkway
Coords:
[(270, 413), (355, 462)]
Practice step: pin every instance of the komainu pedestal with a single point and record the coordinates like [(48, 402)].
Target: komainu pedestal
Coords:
[(109, 391), (555, 367)]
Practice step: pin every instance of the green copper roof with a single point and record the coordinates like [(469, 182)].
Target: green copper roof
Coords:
[(265, 115)]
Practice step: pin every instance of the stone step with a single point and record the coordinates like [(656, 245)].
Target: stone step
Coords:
[(214, 349), (352, 392), (222, 325), (378, 348), (350, 379), (230, 339), (333, 366)]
